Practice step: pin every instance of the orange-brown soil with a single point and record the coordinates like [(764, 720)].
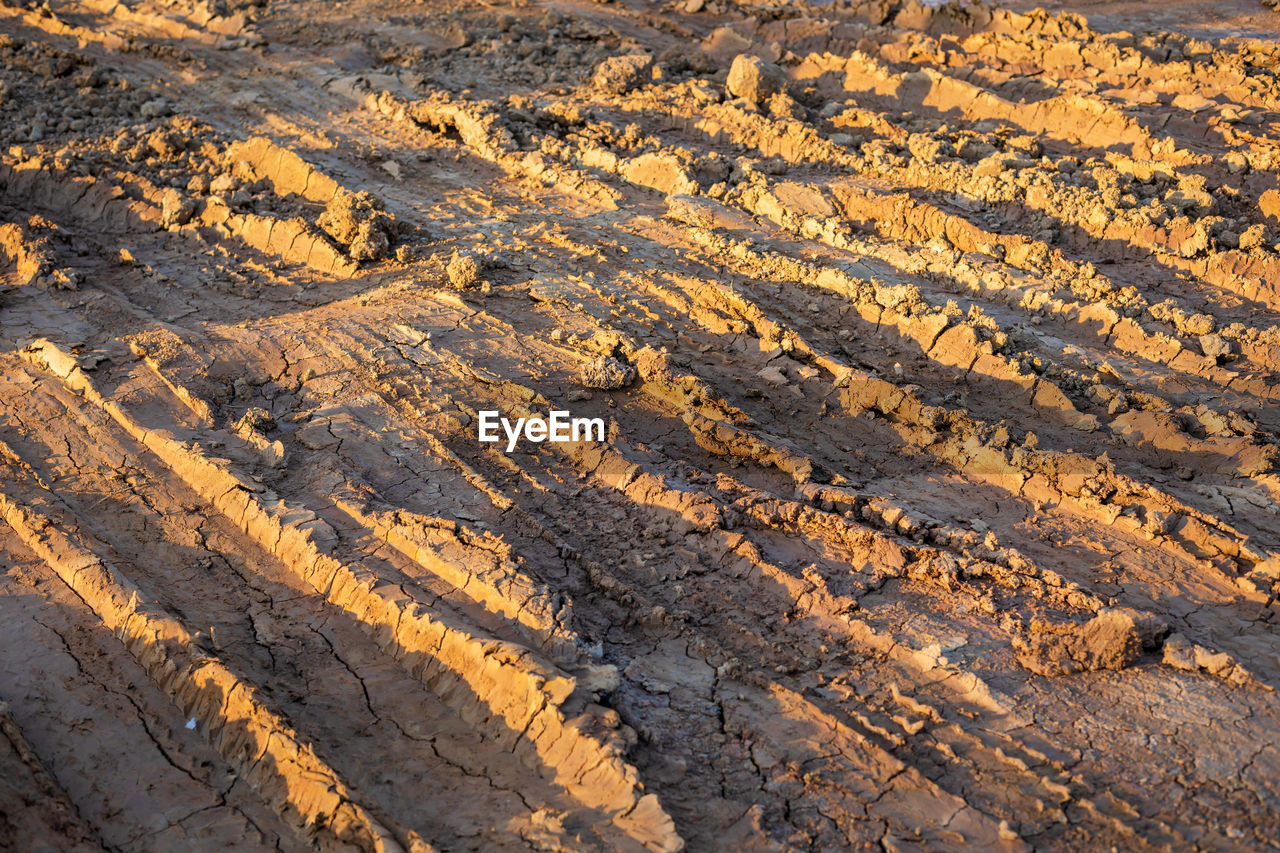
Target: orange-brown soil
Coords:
[(938, 351)]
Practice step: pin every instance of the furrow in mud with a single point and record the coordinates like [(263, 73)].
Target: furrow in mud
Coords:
[(27, 784), (934, 352), (260, 744), (499, 686)]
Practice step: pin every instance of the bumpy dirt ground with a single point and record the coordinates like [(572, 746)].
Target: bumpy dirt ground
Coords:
[(938, 349)]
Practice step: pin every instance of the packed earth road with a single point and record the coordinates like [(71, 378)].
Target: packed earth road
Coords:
[(936, 348)]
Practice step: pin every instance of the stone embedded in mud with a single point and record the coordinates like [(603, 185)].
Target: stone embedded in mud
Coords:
[(752, 78), (1113, 639), (617, 75), (607, 374), (1215, 346), (357, 221), (997, 164), (661, 171), (1198, 324)]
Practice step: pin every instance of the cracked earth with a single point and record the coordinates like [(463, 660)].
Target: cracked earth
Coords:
[(937, 347)]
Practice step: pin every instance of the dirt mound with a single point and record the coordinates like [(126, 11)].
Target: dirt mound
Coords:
[(1114, 639), (358, 222)]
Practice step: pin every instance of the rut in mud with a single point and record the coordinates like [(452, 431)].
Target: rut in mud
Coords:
[(937, 350)]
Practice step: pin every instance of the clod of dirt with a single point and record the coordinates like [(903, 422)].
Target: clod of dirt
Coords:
[(1181, 653), (155, 108), (177, 209), (1252, 237), (782, 105), (608, 343), (607, 374), (1269, 205), (463, 270), (257, 420), (29, 248), (1113, 639), (619, 74), (752, 78), (357, 221)]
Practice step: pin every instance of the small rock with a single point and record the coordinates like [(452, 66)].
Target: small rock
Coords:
[(607, 374), (370, 242), (155, 108), (752, 78), (1189, 199), (619, 74), (223, 184), (1158, 523), (989, 167), (1181, 653), (463, 270), (1252, 237), (1214, 346), (177, 209)]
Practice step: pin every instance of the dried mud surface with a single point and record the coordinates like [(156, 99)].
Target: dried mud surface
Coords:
[(938, 349)]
